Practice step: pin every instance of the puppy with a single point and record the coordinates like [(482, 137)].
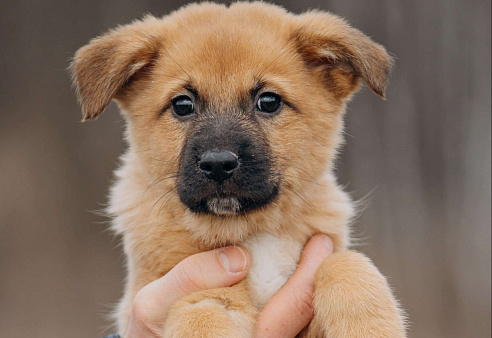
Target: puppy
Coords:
[(234, 117)]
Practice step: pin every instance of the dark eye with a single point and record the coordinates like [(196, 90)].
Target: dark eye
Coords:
[(183, 106), (269, 103)]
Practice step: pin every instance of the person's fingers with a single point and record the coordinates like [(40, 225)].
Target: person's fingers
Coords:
[(290, 309), (206, 270)]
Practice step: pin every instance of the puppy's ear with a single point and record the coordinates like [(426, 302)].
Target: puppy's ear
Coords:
[(103, 66), (342, 53)]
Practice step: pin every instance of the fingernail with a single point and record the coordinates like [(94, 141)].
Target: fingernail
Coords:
[(233, 259)]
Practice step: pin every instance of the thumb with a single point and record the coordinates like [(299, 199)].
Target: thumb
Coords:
[(205, 270)]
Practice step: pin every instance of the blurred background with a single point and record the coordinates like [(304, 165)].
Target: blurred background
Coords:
[(424, 157)]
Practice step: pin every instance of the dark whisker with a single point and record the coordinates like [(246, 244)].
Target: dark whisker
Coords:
[(169, 195), (309, 204), (157, 181), (158, 200), (308, 181)]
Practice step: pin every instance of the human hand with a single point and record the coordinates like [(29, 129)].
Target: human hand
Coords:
[(284, 316), (291, 308)]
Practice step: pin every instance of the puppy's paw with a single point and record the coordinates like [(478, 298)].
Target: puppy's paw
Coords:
[(204, 315), (353, 299)]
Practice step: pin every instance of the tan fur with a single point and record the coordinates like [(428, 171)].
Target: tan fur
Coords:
[(315, 60)]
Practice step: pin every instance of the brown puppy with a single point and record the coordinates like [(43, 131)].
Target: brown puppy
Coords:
[(235, 115)]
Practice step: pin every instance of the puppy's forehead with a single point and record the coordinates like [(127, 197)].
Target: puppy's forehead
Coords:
[(226, 56)]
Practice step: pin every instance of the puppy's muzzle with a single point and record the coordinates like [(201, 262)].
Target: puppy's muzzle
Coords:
[(218, 165)]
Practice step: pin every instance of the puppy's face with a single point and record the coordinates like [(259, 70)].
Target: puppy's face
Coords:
[(231, 106)]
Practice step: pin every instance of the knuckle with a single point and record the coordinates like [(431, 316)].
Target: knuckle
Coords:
[(303, 300), (186, 274), (140, 312)]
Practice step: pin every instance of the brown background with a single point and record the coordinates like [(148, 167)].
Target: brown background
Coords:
[(424, 155)]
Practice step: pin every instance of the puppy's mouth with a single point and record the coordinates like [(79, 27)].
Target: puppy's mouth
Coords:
[(226, 206), (231, 205)]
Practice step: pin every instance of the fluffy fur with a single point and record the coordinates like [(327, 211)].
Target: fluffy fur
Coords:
[(315, 61)]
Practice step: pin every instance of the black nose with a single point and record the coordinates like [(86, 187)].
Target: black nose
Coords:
[(218, 165)]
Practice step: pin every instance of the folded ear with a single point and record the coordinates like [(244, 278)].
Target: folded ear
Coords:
[(343, 53), (103, 66)]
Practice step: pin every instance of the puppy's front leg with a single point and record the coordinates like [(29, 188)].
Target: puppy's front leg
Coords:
[(224, 312), (353, 299)]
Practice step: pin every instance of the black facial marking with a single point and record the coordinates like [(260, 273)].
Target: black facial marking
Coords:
[(226, 166)]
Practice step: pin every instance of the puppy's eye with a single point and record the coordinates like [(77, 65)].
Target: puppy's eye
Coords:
[(269, 103), (183, 106)]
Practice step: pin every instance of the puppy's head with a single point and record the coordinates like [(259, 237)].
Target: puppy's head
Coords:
[(236, 106)]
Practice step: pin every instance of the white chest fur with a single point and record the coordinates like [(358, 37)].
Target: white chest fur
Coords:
[(273, 261)]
